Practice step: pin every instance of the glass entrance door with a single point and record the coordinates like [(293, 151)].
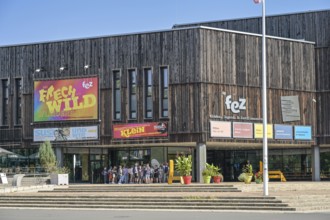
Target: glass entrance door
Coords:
[(96, 169)]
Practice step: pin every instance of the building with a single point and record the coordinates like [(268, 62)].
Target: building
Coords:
[(193, 89)]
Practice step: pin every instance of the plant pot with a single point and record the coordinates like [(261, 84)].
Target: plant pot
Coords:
[(187, 179), (207, 179), (248, 179), (59, 179), (216, 179), (258, 181)]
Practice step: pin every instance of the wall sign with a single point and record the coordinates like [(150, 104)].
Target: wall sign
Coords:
[(152, 129), (242, 130), (259, 129), (283, 132), (65, 134), (66, 99), (290, 108), (302, 132), (220, 129), (235, 106)]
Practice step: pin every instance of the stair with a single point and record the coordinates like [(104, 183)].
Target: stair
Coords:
[(148, 197)]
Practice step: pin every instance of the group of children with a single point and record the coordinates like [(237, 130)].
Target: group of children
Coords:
[(136, 174)]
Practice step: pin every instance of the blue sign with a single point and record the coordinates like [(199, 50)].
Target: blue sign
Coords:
[(303, 132), (283, 132)]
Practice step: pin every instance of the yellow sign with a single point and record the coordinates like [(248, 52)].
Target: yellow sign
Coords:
[(258, 131)]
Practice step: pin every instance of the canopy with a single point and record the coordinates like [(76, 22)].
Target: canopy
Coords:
[(4, 152)]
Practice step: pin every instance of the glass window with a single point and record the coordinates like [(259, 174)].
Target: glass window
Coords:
[(164, 91), (132, 94), (116, 95), (148, 93), (5, 101), (18, 106)]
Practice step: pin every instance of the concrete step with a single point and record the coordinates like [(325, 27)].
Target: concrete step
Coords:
[(97, 202)]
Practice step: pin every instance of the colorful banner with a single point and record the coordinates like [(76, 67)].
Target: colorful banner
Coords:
[(220, 129), (283, 132), (152, 129), (302, 132), (242, 130), (65, 134), (259, 131), (69, 99)]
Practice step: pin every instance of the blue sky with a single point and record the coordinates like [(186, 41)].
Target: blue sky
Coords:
[(29, 21)]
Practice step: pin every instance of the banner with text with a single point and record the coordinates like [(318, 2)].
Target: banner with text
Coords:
[(303, 132), (65, 134), (242, 130), (152, 129), (259, 131), (221, 129), (67, 99)]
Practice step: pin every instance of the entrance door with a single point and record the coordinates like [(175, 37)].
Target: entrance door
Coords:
[(96, 171)]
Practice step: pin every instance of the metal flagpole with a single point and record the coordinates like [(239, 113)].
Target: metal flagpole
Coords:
[(264, 101)]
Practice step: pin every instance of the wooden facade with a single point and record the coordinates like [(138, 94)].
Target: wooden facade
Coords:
[(203, 63), (312, 26)]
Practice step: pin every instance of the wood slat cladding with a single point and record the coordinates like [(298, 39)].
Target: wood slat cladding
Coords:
[(235, 59), (200, 61), (311, 26)]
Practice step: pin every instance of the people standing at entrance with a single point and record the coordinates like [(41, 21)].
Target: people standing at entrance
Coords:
[(119, 174), (114, 174), (165, 175), (156, 174), (141, 174), (105, 175), (147, 173), (136, 173)]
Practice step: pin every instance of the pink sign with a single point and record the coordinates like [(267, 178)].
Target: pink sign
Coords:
[(242, 130), (220, 129)]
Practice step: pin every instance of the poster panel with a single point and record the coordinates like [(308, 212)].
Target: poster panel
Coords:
[(259, 131), (242, 130), (139, 130), (65, 134), (283, 132), (302, 132), (221, 129), (66, 99)]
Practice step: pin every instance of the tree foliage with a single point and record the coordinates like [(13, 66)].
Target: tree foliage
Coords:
[(47, 156)]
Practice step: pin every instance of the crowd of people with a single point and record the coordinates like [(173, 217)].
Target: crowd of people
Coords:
[(136, 174)]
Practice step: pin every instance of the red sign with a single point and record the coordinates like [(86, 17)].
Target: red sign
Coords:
[(152, 129), (242, 130)]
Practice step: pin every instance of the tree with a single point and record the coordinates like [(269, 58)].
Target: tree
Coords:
[(47, 156)]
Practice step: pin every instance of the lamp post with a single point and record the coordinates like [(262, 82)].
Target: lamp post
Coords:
[(264, 100)]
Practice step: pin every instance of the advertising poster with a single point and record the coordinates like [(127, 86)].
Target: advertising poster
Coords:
[(63, 100), (242, 130), (283, 132), (259, 131), (66, 134), (221, 129), (303, 133), (152, 129)]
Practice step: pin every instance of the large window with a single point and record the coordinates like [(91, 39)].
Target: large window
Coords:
[(132, 89), (164, 92), (5, 101), (147, 93), (18, 104), (116, 95)]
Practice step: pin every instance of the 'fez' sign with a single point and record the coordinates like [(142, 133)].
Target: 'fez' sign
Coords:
[(235, 106)]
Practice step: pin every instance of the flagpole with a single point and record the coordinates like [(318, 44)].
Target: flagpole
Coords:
[(264, 101)]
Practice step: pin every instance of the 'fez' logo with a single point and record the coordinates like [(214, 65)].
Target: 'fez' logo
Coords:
[(235, 106)]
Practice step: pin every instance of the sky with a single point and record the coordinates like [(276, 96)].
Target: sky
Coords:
[(33, 21)]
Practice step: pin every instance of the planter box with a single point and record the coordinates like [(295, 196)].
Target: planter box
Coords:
[(59, 179)]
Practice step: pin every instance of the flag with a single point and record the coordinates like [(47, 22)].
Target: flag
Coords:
[(257, 1)]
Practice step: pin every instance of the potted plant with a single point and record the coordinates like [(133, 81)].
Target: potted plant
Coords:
[(247, 173), (183, 165), (258, 177), (58, 175), (216, 174), (207, 173)]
